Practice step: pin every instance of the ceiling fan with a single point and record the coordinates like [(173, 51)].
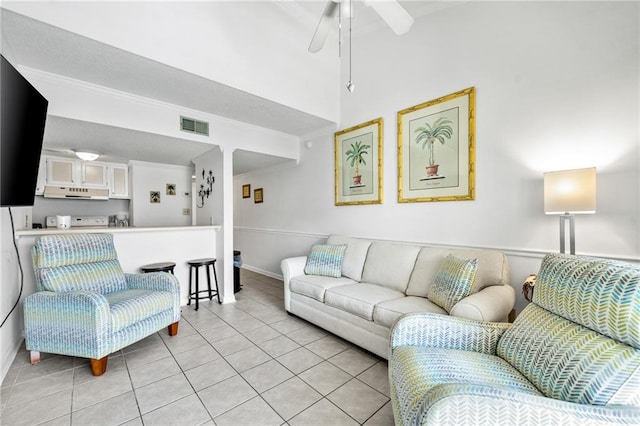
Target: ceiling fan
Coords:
[(389, 10)]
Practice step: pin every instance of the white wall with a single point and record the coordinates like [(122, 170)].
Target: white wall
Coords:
[(147, 177), (557, 87)]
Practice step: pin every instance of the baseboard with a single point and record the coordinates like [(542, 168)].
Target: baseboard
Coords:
[(262, 272)]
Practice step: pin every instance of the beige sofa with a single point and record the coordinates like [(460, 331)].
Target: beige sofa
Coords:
[(381, 281)]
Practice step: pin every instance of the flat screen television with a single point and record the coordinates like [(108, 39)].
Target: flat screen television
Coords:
[(23, 114)]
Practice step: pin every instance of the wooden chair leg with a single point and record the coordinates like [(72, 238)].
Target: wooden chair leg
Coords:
[(173, 328), (99, 366), (34, 356)]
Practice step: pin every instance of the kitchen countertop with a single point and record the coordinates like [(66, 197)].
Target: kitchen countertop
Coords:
[(116, 230)]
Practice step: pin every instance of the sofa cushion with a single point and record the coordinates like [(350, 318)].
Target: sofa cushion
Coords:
[(493, 268), (580, 365), (354, 256), (418, 369), (453, 281), (604, 294), (390, 265), (386, 313), (315, 286), (360, 298), (99, 277), (128, 307), (325, 260)]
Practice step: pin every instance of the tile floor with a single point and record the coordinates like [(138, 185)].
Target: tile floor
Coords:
[(247, 363)]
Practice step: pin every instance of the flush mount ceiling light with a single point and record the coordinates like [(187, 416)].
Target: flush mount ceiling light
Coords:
[(86, 155)]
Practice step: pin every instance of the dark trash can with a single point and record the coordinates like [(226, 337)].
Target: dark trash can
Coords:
[(237, 263)]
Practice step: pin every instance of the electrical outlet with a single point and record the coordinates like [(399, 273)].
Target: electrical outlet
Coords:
[(186, 212)]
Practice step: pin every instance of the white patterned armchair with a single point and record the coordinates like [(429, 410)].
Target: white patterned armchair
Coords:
[(86, 306), (572, 357)]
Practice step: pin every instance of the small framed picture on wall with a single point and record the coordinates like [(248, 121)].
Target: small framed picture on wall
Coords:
[(258, 196), (246, 191)]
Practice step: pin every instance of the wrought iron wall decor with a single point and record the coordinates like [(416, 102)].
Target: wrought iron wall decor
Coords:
[(209, 179)]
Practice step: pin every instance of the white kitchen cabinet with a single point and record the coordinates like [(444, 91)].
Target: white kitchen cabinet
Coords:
[(62, 171), (93, 174), (118, 181)]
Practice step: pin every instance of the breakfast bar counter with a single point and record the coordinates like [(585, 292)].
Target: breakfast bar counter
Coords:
[(137, 246)]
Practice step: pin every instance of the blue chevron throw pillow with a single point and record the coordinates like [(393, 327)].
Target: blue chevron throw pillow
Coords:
[(453, 281), (325, 260)]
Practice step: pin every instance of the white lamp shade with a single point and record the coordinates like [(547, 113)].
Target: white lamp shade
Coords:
[(570, 191), (87, 155)]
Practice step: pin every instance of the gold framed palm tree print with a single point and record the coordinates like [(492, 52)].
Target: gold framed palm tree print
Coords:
[(436, 149), (358, 164)]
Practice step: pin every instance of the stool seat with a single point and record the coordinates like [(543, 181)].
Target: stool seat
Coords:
[(194, 267), (159, 267), (202, 262)]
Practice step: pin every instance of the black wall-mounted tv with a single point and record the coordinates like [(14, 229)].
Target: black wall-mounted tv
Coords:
[(23, 115)]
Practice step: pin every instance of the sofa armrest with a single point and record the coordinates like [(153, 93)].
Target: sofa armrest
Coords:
[(291, 267), (492, 303), (157, 281), (474, 404), (76, 323), (443, 331)]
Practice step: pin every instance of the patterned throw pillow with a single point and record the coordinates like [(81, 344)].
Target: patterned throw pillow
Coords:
[(453, 281), (325, 260)]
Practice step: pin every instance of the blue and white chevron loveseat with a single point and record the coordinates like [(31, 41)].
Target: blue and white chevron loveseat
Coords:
[(572, 357)]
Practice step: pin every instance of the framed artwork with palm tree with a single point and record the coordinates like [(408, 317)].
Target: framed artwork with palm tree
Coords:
[(358, 164), (436, 149)]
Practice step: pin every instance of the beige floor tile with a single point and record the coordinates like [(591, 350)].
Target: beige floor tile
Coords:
[(383, 417), (40, 387), (287, 325), (279, 346), (358, 400), (45, 367), (209, 374), (146, 355), (291, 397), (261, 334), (226, 395), (377, 377), (99, 390), (184, 412), (325, 377), (353, 361), (327, 347), (266, 376), (247, 358), (299, 360), (305, 335), (114, 411), (322, 413), (162, 392), (142, 375), (251, 413), (179, 343), (197, 356), (82, 372), (38, 410), (232, 345)]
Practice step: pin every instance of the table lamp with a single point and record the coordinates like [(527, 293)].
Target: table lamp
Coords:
[(569, 192)]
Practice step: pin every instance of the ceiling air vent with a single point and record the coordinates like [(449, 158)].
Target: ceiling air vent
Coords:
[(192, 125)]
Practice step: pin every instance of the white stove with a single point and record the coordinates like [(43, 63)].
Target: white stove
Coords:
[(82, 221)]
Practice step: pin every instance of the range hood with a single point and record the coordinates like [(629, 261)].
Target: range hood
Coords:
[(76, 193)]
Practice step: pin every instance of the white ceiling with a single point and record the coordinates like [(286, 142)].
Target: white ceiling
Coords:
[(41, 46)]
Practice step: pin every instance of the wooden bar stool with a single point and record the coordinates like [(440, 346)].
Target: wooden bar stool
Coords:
[(159, 267), (194, 265)]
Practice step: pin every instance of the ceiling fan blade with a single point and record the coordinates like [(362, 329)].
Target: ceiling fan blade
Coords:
[(393, 14), (322, 30)]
